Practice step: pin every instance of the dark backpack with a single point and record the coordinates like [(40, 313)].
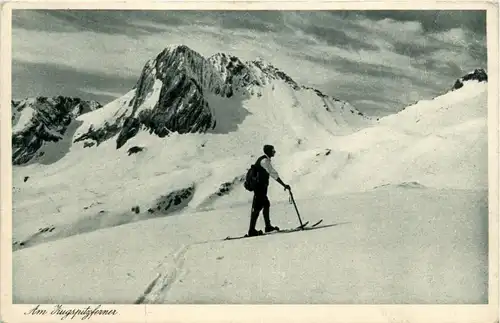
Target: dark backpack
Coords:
[(253, 176)]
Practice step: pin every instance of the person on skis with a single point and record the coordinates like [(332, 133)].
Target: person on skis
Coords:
[(260, 199)]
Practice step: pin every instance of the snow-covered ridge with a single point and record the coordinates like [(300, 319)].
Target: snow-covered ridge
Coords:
[(36, 121), (239, 75)]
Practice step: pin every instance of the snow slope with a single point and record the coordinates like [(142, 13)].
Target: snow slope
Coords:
[(396, 196), (381, 246)]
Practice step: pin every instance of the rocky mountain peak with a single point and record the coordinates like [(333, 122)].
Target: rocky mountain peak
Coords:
[(42, 119), (48, 108), (273, 72), (476, 75), (173, 92), (179, 61)]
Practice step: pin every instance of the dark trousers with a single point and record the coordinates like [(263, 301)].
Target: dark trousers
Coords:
[(260, 203)]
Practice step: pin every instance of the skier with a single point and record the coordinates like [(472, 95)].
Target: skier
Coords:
[(260, 199)]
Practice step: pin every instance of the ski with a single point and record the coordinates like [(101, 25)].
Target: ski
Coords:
[(317, 223), (303, 225), (299, 228)]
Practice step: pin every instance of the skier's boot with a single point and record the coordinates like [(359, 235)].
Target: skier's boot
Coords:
[(267, 220), (253, 222), (270, 228), (254, 233)]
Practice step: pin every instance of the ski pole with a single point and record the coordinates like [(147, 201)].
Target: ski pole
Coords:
[(296, 209)]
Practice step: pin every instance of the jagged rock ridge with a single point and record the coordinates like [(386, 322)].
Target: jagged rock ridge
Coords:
[(39, 120), (477, 75), (239, 75)]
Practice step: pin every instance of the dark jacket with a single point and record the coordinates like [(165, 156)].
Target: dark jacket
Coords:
[(263, 174)]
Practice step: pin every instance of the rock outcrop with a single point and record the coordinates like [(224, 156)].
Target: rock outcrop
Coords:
[(36, 121), (477, 75)]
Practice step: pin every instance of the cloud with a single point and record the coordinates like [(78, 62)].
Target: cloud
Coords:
[(399, 62), (430, 20), (30, 80), (391, 58), (124, 22), (260, 21), (99, 92), (113, 22)]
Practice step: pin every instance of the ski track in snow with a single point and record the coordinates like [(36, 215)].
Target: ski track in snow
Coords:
[(165, 279), (189, 272), (157, 290)]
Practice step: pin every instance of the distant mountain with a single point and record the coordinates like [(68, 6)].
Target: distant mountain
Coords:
[(180, 91), (36, 121), (476, 75)]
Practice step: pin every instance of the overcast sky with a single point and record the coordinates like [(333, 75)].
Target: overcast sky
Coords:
[(379, 61)]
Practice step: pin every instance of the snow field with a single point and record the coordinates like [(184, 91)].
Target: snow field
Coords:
[(385, 246), (21, 119)]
